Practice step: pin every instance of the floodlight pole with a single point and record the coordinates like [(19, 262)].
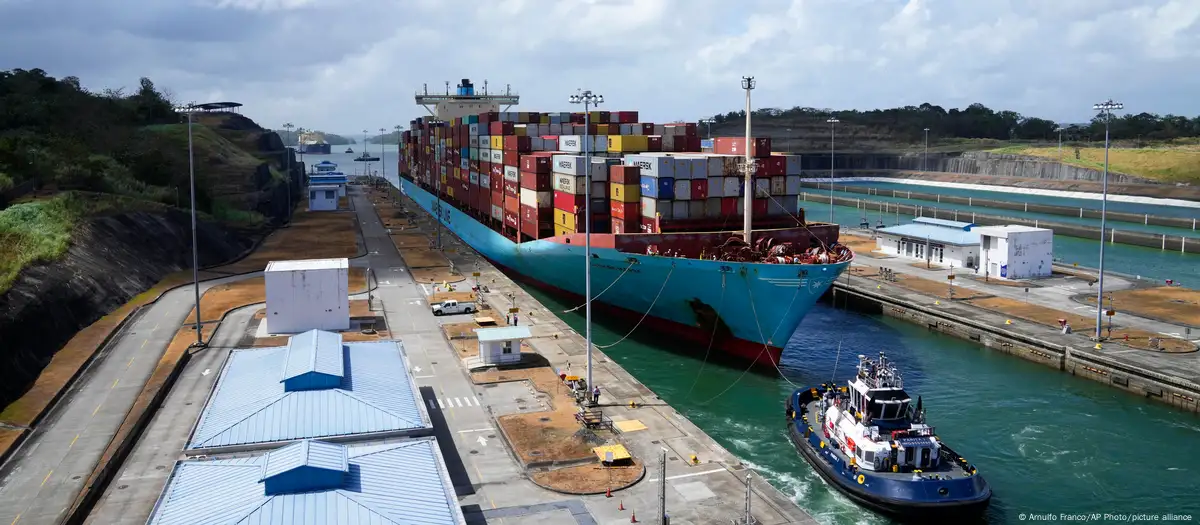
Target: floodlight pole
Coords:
[(1105, 108), (588, 99), (195, 251), (832, 121)]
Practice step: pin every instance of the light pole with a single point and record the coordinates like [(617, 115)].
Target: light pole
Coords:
[(195, 252), (366, 155), (288, 151), (748, 84), (832, 121), (925, 159), (1059, 129), (708, 122), (382, 155), (588, 99), (1105, 108)]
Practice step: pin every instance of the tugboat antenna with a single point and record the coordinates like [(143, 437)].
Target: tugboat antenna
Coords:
[(835, 361)]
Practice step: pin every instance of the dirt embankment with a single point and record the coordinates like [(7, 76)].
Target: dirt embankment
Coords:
[(111, 260)]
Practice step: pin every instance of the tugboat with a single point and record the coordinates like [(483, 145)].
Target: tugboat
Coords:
[(349, 150), (867, 441)]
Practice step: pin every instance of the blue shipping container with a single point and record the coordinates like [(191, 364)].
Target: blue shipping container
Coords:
[(658, 187)]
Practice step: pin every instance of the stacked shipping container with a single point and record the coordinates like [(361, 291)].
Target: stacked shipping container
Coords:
[(525, 174)]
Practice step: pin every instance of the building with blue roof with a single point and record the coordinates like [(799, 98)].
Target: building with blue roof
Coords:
[(315, 482), (939, 241), (315, 387)]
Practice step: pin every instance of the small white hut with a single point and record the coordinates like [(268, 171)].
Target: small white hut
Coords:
[(502, 345)]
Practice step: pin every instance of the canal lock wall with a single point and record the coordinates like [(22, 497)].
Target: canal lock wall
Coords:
[(1050, 350)]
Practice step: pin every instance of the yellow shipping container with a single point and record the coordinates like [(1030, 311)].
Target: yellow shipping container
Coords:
[(457, 173), (545, 119), (560, 230), (602, 129), (443, 177), (520, 130), (565, 219), (595, 116), (450, 191), (628, 143), (625, 192), (496, 142)]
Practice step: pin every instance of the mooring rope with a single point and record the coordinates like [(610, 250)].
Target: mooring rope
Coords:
[(610, 285), (639, 323)]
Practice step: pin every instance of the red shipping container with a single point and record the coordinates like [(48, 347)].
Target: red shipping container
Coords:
[(647, 128), (619, 174), (518, 144), (699, 189), (498, 199), (654, 143), (536, 181), (568, 202), (500, 128), (512, 204), (511, 189), (535, 163), (693, 143), (626, 210), (512, 158), (477, 166), (497, 171), (618, 226), (648, 227), (536, 215), (625, 117), (729, 207), (496, 183), (510, 219), (759, 207), (776, 166), (759, 147)]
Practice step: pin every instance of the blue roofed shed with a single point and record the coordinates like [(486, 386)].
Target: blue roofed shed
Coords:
[(311, 482), (938, 241), (316, 387)]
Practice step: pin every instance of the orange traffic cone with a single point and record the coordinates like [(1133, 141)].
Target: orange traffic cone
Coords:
[(633, 517), (608, 493), (621, 506)]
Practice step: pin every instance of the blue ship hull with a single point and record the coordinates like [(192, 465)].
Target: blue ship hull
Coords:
[(757, 306), (953, 500)]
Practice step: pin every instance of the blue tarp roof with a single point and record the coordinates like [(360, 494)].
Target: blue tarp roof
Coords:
[(402, 482), (250, 405), (938, 234), (964, 226)]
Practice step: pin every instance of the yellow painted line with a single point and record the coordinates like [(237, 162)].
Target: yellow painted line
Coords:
[(47, 478), (115, 383), (97, 408), (130, 361), (73, 441), (144, 341), (15, 520)]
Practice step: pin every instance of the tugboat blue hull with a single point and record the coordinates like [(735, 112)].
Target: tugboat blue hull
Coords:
[(959, 500)]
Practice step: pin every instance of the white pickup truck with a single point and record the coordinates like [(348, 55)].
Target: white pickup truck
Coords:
[(451, 306)]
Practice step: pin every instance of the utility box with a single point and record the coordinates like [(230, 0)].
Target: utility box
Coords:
[(1016, 252), (501, 346), (307, 295), (323, 197)]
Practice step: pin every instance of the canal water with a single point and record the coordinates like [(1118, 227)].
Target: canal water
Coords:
[(1044, 440), (1047, 442)]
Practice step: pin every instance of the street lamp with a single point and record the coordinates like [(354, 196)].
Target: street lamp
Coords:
[(831, 121), (190, 108), (1105, 108), (748, 84), (708, 122), (925, 159), (1059, 129), (288, 151), (382, 154), (588, 99), (365, 155)]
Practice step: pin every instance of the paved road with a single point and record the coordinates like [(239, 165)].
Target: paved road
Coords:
[(40, 481)]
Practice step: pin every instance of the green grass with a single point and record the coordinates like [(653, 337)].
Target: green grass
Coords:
[(1171, 163)]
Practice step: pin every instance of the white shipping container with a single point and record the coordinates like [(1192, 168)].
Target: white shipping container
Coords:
[(575, 143), (537, 199), (652, 165), (485, 180), (497, 212), (777, 185), (567, 164), (679, 210), (472, 141), (668, 142), (732, 186), (791, 185), (485, 142), (762, 187), (473, 178), (569, 183), (485, 155), (497, 156), (712, 208), (659, 130), (696, 208), (473, 129), (792, 165), (652, 207), (716, 187), (512, 174), (683, 189), (307, 295)]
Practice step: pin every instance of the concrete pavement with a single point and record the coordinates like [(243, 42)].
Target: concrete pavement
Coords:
[(40, 481)]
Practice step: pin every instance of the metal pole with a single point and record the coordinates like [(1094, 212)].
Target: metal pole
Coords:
[(748, 167), (1105, 109), (749, 518), (382, 156), (832, 121), (925, 159), (588, 99), (288, 151), (662, 487), (195, 250)]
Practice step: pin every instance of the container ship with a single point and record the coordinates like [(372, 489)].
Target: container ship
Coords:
[(313, 143), (667, 250)]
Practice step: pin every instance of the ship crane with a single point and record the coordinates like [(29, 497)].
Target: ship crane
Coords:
[(465, 101)]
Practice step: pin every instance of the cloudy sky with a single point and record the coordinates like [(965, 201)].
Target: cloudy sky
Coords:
[(345, 65)]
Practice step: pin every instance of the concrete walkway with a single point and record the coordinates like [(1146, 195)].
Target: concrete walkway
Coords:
[(41, 480)]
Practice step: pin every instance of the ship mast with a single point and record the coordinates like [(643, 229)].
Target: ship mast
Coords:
[(747, 165)]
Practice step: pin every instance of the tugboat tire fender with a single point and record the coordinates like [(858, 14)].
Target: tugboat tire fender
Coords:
[(861, 479)]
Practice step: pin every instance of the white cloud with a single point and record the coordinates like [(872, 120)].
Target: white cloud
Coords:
[(350, 64)]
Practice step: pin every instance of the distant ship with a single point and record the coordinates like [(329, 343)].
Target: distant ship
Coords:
[(867, 441), (349, 150), (313, 143)]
